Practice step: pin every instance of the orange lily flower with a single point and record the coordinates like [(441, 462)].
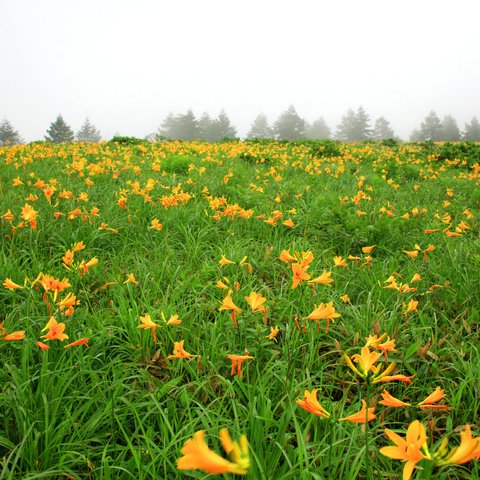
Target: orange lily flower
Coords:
[(383, 378), (79, 246), (374, 340), (237, 361), (434, 397), (311, 404), (409, 449), (323, 279), (299, 274), (30, 215), (286, 257), (448, 233), (67, 259), (220, 284), (174, 320), (289, 223), (430, 248), (50, 283), (387, 346), (416, 278), (147, 322), (339, 261), (305, 259), (274, 331), (104, 226), (11, 285), (390, 401), (179, 351), (68, 302), (256, 301), (76, 343), (366, 360), (345, 298), (392, 283), (324, 312), (368, 249), (411, 307), (229, 305), (43, 346), (14, 336), (244, 263), (8, 216), (363, 416), (468, 449), (225, 261), (131, 279), (84, 266), (198, 456), (411, 253), (55, 330)]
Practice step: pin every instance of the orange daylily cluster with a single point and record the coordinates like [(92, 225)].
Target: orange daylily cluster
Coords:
[(198, 456), (414, 448), (367, 367), (8, 337)]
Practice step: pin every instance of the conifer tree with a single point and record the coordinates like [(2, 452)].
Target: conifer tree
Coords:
[(363, 131), (472, 131), (450, 130), (224, 128), (207, 128), (347, 128), (431, 128), (8, 135), (318, 130), (88, 133), (289, 126), (59, 132), (416, 136), (179, 127), (167, 128), (260, 128), (382, 129), (186, 127)]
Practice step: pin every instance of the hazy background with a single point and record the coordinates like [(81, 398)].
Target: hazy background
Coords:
[(127, 64)]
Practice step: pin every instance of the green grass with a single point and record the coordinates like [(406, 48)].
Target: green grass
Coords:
[(121, 409)]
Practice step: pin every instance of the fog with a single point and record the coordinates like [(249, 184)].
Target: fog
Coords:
[(127, 64)]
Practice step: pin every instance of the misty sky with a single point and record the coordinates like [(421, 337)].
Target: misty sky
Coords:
[(127, 64)]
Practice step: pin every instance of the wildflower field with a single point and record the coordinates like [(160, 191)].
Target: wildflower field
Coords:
[(260, 310)]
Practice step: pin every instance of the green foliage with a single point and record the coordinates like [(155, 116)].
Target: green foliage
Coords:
[(389, 142), (121, 409), (122, 140), (468, 151), (176, 164)]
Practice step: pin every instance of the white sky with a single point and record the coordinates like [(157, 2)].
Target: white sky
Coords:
[(127, 64)]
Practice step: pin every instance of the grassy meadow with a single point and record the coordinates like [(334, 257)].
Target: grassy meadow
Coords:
[(292, 258)]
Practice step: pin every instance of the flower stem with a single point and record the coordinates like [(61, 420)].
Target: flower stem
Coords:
[(367, 456), (330, 439)]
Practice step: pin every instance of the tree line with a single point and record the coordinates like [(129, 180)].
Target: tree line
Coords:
[(354, 126)]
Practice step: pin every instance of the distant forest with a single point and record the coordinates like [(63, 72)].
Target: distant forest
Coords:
[(355, 126)]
